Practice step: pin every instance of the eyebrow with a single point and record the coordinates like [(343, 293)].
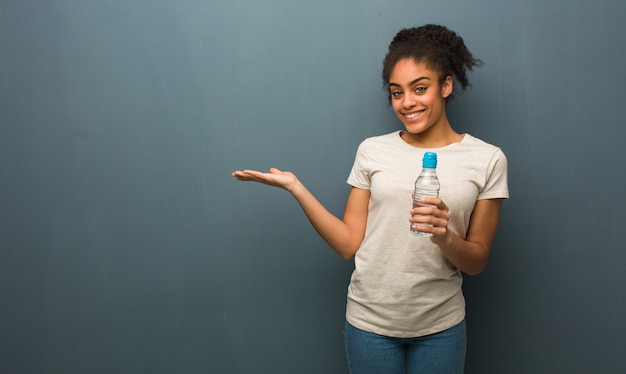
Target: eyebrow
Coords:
[(410, 84)]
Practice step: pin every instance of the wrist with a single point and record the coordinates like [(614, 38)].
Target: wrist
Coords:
[(445, 241), (295, 188)]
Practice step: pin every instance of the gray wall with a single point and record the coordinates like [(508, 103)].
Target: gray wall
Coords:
[(126, 247)]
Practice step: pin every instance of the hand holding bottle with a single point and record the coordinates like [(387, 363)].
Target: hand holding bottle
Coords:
[(426, 185), (431, 217)]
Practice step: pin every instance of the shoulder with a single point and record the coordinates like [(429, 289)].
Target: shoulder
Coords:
[(379, 149), (476, 145), (389, 139), (472, 141)]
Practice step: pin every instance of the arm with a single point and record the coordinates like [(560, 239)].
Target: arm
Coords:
[(343, 236), (471, 254)]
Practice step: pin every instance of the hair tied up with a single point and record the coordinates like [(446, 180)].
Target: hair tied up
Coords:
[(440, 48)]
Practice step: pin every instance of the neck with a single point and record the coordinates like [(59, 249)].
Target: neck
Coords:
[(432, 139)]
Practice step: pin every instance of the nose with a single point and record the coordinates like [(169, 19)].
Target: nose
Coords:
[(408, 101)]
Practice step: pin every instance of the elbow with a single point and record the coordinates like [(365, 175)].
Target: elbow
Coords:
[(347, 256), (476, 268), (347, 253), (473, 272), (346, 250)]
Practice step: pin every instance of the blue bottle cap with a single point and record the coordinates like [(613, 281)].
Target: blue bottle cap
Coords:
[(429, 160)]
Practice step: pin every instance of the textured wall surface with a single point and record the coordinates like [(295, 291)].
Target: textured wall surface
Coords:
[(126, 247)]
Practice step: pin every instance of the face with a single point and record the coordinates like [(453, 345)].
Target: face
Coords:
[(417, 97)]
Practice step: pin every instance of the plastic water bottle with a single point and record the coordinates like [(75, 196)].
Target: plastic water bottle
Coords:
[(426, 185)]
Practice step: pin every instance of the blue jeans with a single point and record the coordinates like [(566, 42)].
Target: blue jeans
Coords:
[(440, 353)]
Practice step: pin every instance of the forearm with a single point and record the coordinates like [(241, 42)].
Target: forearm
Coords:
[(339, 235), (344, 236), (469, 257), (471, 254)]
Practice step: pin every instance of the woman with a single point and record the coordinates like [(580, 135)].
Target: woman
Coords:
[(405, 311)]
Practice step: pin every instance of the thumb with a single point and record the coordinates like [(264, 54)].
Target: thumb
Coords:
[(275, 171)]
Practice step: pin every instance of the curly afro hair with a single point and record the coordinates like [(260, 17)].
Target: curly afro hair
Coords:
[(440, 48)]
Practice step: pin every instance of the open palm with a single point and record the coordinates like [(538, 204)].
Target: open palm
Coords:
[(275, 177)]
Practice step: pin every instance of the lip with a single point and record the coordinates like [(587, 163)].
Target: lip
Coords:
[(412, 116)]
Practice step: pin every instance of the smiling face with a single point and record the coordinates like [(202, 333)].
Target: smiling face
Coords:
[(418, 97)]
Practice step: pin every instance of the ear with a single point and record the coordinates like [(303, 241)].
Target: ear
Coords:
[(446, 87)]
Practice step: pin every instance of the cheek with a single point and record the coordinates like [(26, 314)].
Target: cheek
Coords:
[(396, 105)]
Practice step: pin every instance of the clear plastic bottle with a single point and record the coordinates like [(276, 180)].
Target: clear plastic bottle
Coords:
[(426, 185)]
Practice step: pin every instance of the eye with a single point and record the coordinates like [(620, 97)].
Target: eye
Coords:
[(396, 94), (420, 89)]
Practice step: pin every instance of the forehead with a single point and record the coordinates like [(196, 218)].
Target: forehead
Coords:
[(407, 70)]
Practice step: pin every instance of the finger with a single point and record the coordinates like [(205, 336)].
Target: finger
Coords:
[(423, 218), (240, 175), (253, 174), (424, 210), (441, 212), (247, 175)]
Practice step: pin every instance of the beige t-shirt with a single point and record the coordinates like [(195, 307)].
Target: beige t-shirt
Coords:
[(402, 285)]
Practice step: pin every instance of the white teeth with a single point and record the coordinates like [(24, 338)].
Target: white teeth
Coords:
[(412, 115)]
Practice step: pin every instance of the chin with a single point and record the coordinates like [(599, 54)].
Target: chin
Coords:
[(414, 129)]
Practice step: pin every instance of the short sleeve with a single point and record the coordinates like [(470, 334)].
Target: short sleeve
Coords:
[(496, 184), (359, 175)]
